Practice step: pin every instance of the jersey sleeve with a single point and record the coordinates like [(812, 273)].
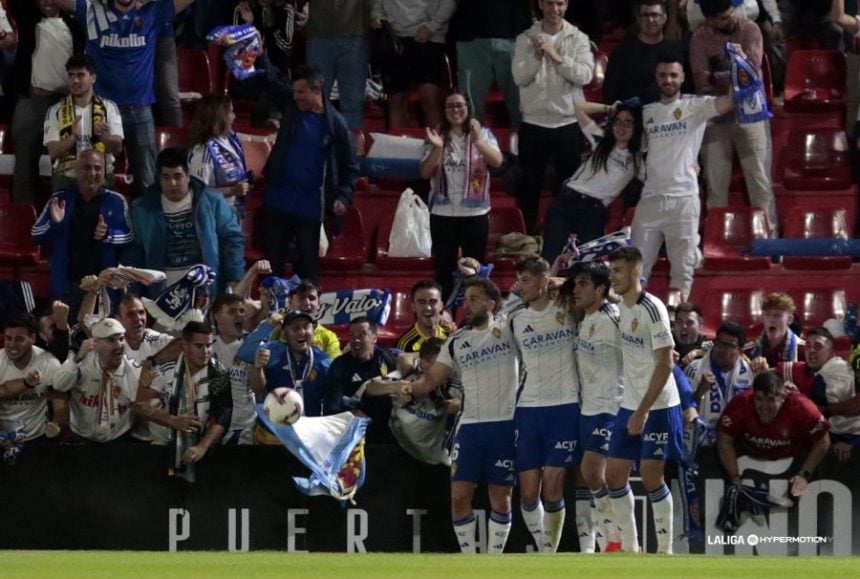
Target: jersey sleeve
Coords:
[(704, 109), (114, 119), (809, 420), (446, 355), (661, 332)]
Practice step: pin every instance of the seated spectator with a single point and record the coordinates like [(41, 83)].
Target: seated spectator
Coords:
[(456, 160), (778, 343), (228, 315), (313, 153), (427, 305), (770, 423), (420, 26), (630, 71), (690, 343), (46, 41), (216, 156), (85, 225), (344, 387), (103, 384), (580, 206), (179, 222), (193, 402), (292, 362), (722, 373), (81, 121), (26, 374), (828, 380), (724, 134)]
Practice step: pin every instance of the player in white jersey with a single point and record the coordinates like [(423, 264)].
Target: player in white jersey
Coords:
[(228, 313), (26, 372), (669, 208), (103, 385), (547, 415), (598, 357), (482, 356), (649, 426)]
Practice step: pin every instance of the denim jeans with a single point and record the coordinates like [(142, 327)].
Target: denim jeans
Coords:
[(343, 59), (139, 128)]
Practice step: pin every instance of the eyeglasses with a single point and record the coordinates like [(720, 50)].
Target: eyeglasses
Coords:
[(651, 15), (455, 106), (622, 123)]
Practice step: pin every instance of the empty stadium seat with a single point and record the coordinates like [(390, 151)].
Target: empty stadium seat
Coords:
[(594, 90), (815, 81), (742, 306), (400, 318), (16, 245), (814, 306), (347, 251), (817, 159), (416, 267), (812, 223), (728, 230), (195, 75)]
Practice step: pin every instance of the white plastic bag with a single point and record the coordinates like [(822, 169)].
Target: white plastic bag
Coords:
[(410, 232)]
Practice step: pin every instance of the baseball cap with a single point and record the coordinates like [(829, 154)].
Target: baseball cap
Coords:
[(294, 315), (106, 328)]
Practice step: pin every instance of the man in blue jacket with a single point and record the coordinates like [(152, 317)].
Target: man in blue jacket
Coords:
[(87, 225), (179, 222), (312, 170)]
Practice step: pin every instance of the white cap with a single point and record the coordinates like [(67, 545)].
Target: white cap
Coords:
[(106, 328)]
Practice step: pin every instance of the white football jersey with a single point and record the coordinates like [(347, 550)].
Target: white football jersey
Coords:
[(674, 134), (96, 415), (244, 413), (151, 344), (598, 356), (486, 363), (645, 328), (29, 409), (546, 340)]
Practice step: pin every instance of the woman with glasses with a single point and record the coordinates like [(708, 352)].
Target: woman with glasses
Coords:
[(457, 158), (580, 206)]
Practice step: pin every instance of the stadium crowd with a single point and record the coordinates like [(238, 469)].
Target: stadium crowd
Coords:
[(579, 370)]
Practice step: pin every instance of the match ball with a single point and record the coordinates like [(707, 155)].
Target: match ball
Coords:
[(286, 412)]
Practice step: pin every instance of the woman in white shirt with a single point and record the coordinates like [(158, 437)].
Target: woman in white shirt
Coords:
[(456, 160), (580, 206), (216, 156)]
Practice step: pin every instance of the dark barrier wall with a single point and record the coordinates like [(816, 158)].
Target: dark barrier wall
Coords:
[(119, 497)]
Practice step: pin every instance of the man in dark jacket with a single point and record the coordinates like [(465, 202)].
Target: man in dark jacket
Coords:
[(312, 170)]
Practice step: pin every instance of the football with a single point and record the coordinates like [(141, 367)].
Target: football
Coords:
[(283, 412)]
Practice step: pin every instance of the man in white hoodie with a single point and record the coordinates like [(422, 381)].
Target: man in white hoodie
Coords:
[(552, 62)]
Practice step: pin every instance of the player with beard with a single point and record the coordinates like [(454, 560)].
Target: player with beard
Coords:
[(228, 314), (547, 414), (482, 355), (649, 426), (669, 208)]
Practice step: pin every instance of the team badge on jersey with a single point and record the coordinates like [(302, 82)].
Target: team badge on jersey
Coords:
[(312, 375), (677, 114), (497, 333), (559, 317), (634, 324)]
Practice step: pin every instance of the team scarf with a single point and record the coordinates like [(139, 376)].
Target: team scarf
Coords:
[(476, 189), (229, 165), (179, 303), (590, 251), (242, 46), (280, 288), (458, 292), (332, 447), (747, 88), (789, 354), (723, 391), (341, 307), (11, 443), (67, 118)]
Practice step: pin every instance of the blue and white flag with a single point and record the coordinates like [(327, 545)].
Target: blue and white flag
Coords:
[(176, 306), (331, 446), (341, 307)]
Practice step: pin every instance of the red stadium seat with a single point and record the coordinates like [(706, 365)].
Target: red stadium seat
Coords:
[(742, 306), (253, 230), (16, 245), (171, 137), (730, 229), (400, 318), (256, 154), (813, 223), (416, 267), (594, 90), (195, 75), (817, 159), (503, 220), (347, 251), (815, 81)]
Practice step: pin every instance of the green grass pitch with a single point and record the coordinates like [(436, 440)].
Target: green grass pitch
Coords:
[(121, 564)]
